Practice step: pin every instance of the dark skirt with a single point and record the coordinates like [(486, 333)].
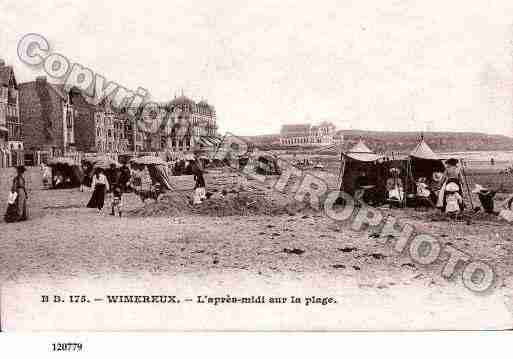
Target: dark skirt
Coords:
[(18, 210), (11, 215), (98, 198)]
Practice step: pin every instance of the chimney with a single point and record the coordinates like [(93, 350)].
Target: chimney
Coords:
[(41, 79), (2, 62)]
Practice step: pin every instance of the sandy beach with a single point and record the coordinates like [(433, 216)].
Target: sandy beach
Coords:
[(66, 249)]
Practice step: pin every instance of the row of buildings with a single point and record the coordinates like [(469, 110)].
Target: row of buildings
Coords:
[(42, 116), (308, 135)]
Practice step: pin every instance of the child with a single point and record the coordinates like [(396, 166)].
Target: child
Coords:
[(422, 188), (116, 200), (453, 199), (47, 175)]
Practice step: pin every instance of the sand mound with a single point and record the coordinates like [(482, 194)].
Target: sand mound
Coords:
[(174, 204)]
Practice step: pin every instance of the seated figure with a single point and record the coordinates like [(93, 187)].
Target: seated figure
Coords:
[(394, 186), (422, 188)]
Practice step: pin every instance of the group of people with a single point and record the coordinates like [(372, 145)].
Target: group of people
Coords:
[(112, 180), (135, 178), (442, 190)]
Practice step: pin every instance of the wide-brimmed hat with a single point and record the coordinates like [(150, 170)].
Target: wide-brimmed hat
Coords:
[(452, 187), (452, 161), (478, 188), (21, 169)]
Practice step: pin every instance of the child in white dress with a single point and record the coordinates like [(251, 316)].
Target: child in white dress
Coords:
[(453, 199)]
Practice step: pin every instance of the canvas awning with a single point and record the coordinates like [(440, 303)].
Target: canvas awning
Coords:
[(149, 160), (4, 129), (360, 152), (159, 173), (423, 151), (210, 140)]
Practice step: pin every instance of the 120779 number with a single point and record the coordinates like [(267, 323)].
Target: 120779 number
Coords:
[(67, 347)]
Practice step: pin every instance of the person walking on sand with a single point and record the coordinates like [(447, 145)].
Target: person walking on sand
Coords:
[(47, 175), (100, 186), (124, 177), (116, 200), (86, 180), (17, 210)]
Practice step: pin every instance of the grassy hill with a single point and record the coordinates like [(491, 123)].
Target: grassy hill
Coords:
[(439, 141), (404, 142)]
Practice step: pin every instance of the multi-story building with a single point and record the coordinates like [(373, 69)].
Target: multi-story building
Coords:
[(307, 134), (86, 135), (10, 126), (62, 121), (190, 125), (133, 139), (180, 125), (98, 128), (47, 117)]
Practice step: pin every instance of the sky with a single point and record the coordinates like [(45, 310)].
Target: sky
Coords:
[(398, 65)]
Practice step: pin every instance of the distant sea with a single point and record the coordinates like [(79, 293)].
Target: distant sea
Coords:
[(501, 156), (483, 158)]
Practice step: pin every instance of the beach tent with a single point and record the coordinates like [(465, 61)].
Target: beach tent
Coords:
[(423, 162), (157, 168), (360, 159), (69, 169)]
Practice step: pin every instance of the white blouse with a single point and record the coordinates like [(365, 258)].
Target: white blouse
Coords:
[(102, 179)]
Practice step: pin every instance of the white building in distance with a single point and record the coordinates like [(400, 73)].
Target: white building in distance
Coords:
[(306, 135)]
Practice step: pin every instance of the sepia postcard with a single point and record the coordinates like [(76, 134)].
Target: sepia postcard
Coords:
[(255, 166)]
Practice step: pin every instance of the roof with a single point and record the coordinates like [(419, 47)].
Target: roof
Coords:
[(326, 124), (423, 151), (360, 152), (182, 100), (204, 103), (57, 88), (301, 129)]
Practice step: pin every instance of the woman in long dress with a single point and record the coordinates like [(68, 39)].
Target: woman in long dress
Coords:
[(100, 186), (17, 211)]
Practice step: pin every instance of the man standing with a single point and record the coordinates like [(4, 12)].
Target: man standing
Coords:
[(124, 177), (113, 175)]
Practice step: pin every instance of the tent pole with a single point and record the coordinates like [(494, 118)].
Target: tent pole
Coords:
[(466, 183), (407, 183), (341, 173)]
